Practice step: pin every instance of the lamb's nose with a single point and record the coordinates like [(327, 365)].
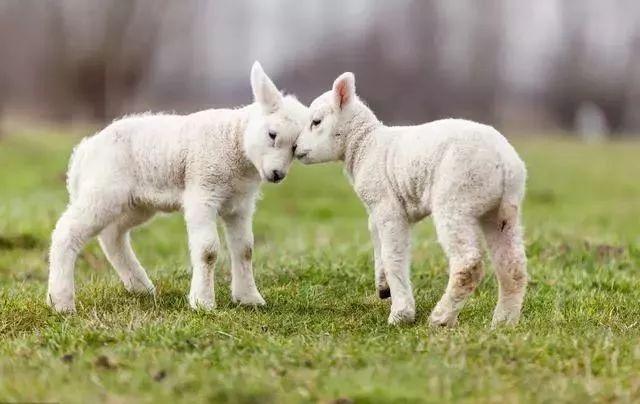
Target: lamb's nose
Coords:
[(302, 154), (277, 175)]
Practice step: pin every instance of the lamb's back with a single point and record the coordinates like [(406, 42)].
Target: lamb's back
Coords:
[(132, 150), (430, 139), (445, 151)]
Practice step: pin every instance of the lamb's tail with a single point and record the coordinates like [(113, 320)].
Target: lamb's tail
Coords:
[(73, 172), (515, 176)]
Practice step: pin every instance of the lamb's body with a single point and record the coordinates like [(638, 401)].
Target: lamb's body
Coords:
[(449, 161), (471, 179), (466, 175), (208, 164), (137, 166), (149, 161)]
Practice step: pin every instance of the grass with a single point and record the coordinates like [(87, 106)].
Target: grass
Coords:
[(323, 335)]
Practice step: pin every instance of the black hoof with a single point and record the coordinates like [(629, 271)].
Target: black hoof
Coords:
[(384, 293)]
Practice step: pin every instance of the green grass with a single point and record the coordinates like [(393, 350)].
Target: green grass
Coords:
[(323, 335)]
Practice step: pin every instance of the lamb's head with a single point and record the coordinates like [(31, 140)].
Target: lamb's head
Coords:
[(274, 127), (324, 137)]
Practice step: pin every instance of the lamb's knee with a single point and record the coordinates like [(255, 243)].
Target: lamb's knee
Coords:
[(513, 279), (205, 250), (209, 255), (466, 276), (247, 253)]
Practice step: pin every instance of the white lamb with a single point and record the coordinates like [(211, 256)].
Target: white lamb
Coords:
[(208, 164), (463, 173)]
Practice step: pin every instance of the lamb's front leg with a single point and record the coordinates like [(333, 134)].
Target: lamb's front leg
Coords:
[(395, 247), (240, 243), (203, 246), (381, 281)]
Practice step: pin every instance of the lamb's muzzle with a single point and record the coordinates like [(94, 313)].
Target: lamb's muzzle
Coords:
[(301, 154), (276, 176)]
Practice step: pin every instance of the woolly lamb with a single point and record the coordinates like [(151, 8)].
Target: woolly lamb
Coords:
[(208, 164), (463, 173)]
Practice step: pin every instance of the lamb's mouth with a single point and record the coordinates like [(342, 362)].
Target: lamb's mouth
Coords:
[(274, 180), (303, 157), (274, 177)]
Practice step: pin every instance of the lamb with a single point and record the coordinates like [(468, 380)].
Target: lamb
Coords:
[(208, 164), (465, 174)]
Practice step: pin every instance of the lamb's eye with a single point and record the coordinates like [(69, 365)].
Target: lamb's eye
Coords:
[(272, 135), (315, 122)]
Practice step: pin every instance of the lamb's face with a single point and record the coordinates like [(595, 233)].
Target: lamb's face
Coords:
[(323, 138), (273, 129), (270, 139), (320, 141)]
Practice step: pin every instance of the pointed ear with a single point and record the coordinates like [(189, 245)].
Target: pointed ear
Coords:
[(265, 92), (344, 89)]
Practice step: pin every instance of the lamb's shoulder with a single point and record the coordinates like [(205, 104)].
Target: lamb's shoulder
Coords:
[(371, 182), (215, 156)]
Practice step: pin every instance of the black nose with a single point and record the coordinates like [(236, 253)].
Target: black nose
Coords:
[(277, 175), (301, 154)]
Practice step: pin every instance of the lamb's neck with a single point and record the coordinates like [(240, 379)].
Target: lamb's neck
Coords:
[(359, 138), (236, 129)]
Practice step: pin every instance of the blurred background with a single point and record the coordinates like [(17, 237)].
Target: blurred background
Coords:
[(530, 67)]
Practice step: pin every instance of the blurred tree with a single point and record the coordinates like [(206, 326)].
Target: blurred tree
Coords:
[(632, 86), (578, 78), (102, 78), (414, 60)]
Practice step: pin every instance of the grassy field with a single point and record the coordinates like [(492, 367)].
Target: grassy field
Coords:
[(323, 335)]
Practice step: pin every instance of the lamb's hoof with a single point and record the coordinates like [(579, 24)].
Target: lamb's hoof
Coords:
[(384, 293), (140, 288), (253, 299), (505, 318), (61, 305), (405, 315), (443, 318), (200, 303)]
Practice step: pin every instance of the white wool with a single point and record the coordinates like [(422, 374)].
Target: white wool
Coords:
[(465, 174), (208, 164)]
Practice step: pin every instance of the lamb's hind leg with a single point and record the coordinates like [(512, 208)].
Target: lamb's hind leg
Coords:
[(504, 240), (384, 292), (74, 228), (116, 244), (460, 237)]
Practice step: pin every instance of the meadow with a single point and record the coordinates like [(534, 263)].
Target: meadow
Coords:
[(323, 335)]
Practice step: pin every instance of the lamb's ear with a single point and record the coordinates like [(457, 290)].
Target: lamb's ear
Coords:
[(344, 89), (265, 92)]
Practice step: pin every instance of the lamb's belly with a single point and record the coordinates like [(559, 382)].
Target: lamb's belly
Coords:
[(414, 194), (416, 210), (165, 200)]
